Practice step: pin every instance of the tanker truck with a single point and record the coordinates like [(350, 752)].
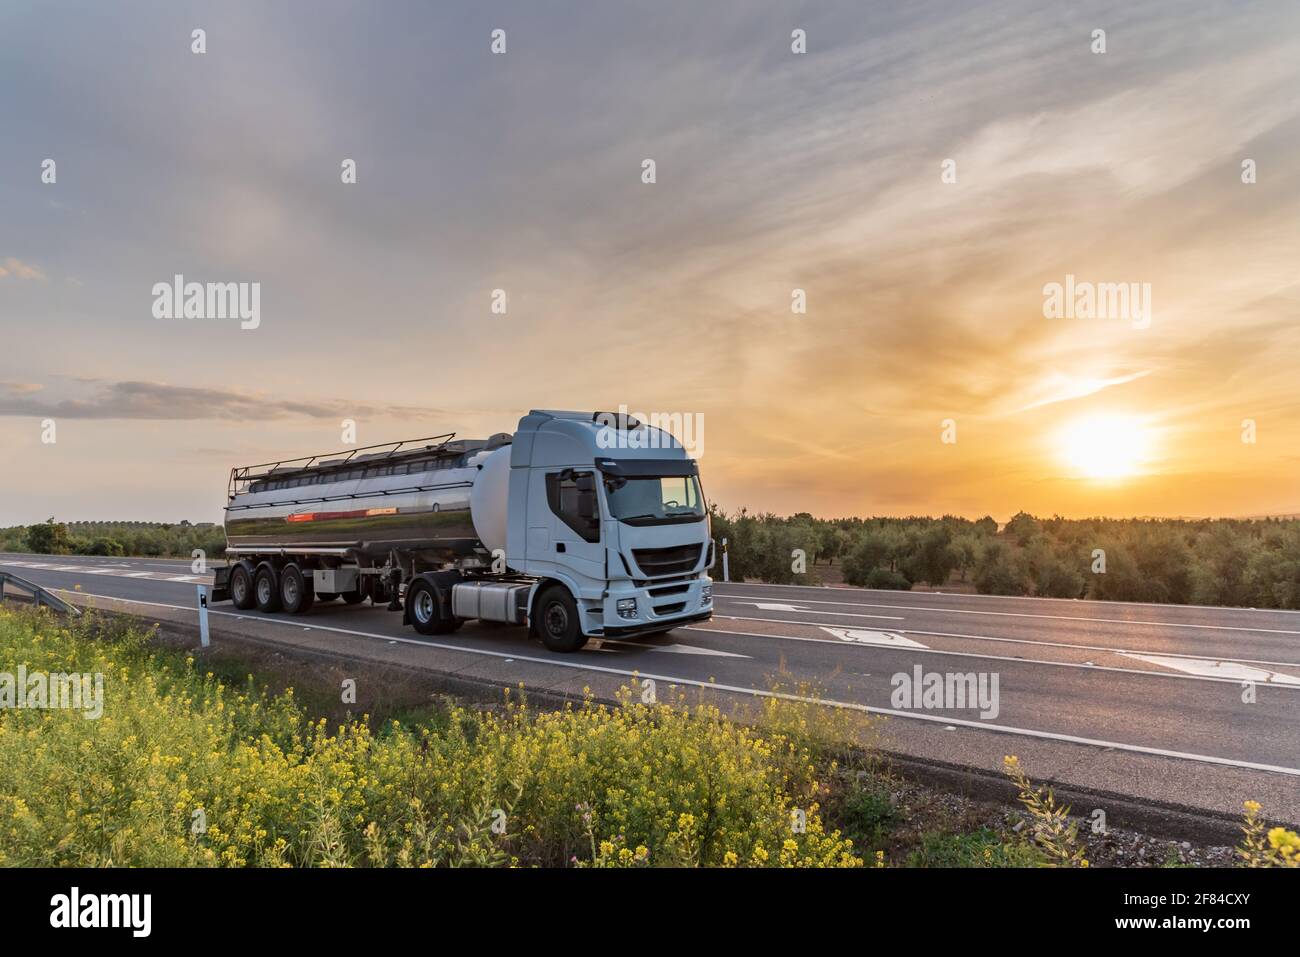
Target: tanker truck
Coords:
[(579, 525)]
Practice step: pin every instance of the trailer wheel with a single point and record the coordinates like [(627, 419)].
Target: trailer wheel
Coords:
[(354, 597), (266, 588), (326, 595), (296, 595), (557, 620), (241, 587)]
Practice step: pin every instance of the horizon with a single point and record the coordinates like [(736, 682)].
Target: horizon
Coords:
[(1091, 311), (1001, 522)]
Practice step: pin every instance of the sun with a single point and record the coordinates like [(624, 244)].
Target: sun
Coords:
[(1112, 446)]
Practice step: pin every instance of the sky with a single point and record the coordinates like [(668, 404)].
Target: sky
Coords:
[(923, 173)]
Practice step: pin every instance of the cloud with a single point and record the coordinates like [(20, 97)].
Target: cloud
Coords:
[(21, 388), (1059, 387), (158, 401), (20, 270)]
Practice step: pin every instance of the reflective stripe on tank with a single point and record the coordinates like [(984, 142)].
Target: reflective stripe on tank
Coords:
[(356, 513)]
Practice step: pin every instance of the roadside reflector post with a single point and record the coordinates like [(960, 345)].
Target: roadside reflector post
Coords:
[(726, 568), (203, 616)]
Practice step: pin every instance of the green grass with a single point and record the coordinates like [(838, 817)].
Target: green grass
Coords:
[(867, 815), (982, 848)]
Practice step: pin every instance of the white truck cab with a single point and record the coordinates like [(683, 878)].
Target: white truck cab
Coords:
[(609, 510)]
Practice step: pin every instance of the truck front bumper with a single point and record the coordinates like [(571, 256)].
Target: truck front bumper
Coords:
[(636, 608), (625, 631)]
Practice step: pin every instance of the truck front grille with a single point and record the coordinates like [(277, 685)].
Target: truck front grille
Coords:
[(668, 561), (668, 590)]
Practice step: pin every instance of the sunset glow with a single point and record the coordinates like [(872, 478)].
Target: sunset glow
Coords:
[(823, 271), (1106, 446)]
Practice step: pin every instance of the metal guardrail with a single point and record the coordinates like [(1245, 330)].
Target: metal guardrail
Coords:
[(39, 595)]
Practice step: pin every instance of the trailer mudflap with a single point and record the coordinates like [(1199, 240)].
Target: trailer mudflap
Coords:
[(220, 584)]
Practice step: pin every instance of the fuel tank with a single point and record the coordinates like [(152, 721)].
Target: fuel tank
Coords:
[(442, 501)]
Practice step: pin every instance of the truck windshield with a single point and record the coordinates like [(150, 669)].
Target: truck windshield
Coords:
[(659, 500)]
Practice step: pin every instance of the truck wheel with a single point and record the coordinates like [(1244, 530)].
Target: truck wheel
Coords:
[(353, 597), (296, 595), (557, 620), (266, 588), (241, 587), (424, 609), (326, 595)]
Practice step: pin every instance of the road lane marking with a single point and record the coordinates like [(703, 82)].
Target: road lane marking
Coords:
[(671, 649), (922, 650), (809, 611), (978, 596), (1021, 614), (1232, 670), (887, 638), (756, 692), (1012, 641), (114, 571)]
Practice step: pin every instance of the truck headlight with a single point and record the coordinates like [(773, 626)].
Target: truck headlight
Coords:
[(706, 593), (627, 608)]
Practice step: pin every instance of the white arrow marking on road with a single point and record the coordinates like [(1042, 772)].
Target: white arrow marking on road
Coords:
[(692, 650), (674, 649), (782, 606), (1217, 669), (861, 637)]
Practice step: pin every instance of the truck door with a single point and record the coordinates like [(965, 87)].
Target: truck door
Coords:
[(575, 530)]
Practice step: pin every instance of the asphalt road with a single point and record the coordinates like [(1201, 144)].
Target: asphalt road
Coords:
[(1193, 706)]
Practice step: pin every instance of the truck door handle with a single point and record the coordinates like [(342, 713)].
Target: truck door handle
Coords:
[(559, 546)]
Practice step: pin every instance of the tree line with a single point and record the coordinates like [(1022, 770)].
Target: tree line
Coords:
[(1237, 562), (148, 539)]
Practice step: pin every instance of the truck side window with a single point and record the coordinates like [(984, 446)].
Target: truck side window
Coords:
[(572, 496)]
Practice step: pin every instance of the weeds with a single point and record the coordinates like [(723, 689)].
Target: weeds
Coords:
[(668, 785), (981, 848), (1054, 833), (1277, 847)]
